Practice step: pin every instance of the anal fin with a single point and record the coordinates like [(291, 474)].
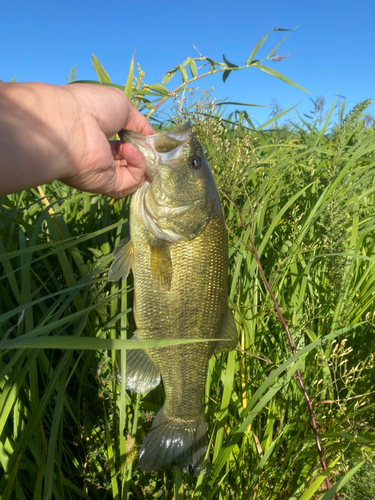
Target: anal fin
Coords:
[(123, 254), (229, 332), (142, 375)]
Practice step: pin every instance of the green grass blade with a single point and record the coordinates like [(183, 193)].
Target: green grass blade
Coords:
[(279, 76), (129, 81), (100, 71), (178, 489), (337, 487), (91, 343), (313, 488)]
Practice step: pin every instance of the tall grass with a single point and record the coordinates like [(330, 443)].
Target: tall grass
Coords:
[(68, 427)]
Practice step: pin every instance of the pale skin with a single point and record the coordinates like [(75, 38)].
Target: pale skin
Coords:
[(52, 132)]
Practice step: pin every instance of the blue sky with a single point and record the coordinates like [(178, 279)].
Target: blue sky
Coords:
[(332, 50)]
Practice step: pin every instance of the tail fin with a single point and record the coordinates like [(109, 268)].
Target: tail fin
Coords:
[(172, 441)]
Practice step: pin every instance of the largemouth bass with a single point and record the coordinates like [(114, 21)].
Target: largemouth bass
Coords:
[(178, 255)]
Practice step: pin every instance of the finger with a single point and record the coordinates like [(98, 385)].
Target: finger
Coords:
[(127, 152), (130, 167), (110, 108), (138, 123), (126, 183), (129, 176), (119, 113)]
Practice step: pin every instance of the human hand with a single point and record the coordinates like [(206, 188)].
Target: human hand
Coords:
[(50, 132), (110, 168)]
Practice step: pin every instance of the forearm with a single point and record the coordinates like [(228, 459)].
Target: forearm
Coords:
[(37, 123)]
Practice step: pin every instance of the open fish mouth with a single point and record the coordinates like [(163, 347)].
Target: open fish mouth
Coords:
[(163, 147)]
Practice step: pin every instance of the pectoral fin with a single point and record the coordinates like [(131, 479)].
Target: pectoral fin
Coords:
[(142, 375), (161, 264), (229, 331), (123, 254)]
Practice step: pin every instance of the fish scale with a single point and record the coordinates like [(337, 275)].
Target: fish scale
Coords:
[(178, 255)]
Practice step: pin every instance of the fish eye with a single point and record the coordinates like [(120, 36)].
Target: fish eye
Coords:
[(195, 162)]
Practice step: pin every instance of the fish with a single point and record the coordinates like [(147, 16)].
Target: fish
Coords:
[(178, 254)]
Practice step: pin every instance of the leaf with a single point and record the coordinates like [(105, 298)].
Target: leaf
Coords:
[(212, 64), (193, 68), (183, 73), (169, 75), (256, 48), (231, 65), (318, 481), (228, 381), (264, 459), (274, 118), (100, 71), (226, 73), (159, 88), (230, 103), (178, 488), (260, 43), (111, 461), (332, 492), (281, 77), (148, 105), (322, 131), (95, 82), (276, 47), (129, 81), (82, 343)]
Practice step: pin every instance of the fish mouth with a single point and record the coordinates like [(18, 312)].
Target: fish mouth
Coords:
[(163, 147)]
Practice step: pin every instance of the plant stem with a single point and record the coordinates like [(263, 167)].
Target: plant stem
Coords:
[(184, 84), (291, 343), (180, 87), (44, 199)]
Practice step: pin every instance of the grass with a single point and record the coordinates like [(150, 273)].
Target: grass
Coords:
[(70, 430)]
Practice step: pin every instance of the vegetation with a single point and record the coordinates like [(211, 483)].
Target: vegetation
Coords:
[(305, 193)]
